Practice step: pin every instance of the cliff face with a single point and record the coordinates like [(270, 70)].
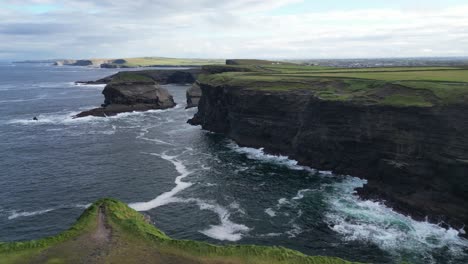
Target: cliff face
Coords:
[(415, 158), (193, 95), (132, 96)]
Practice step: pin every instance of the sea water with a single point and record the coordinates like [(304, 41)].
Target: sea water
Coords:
[(192, 183)]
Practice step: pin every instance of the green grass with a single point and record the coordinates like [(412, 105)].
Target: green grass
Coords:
[(413, 75), (396, 86), (151, 61), (137, 240), (256, 62)]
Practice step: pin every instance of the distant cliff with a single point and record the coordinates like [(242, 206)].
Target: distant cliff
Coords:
[(414, 156), (186, 76), (90, 62)]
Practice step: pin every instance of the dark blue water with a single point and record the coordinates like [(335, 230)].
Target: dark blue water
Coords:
[(193, 184)]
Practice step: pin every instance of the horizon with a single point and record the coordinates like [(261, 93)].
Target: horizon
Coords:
[(285, 29)]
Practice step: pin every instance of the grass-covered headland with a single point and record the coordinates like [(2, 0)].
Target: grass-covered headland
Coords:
[(396, 86), (111, 232)]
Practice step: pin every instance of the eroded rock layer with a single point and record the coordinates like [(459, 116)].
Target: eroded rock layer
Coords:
[(415, 158), (131, 96)]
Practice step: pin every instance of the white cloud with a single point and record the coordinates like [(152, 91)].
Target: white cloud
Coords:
[(236, 28)]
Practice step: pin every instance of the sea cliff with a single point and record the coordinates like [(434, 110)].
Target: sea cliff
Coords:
[(413, 151), (130, 92)]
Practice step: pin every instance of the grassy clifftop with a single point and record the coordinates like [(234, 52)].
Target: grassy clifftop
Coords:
[(398, 86), (111, 232)]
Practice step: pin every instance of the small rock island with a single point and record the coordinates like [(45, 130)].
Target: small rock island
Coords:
[(129, 92)]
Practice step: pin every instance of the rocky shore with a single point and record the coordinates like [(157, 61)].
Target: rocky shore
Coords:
[(414, 158)]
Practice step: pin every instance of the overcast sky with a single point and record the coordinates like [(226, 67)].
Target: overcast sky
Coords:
[(39, 29)]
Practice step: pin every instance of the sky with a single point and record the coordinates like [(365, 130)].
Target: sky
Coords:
[(281, 29)]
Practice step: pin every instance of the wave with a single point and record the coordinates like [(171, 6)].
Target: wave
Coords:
[(18, 214), (144, 131), (259, 154), (363, 220), (300, 194), (23, 214), (166, 197), (66, 118), (23, 100), (226, 230), (83, 85), (270, 212)]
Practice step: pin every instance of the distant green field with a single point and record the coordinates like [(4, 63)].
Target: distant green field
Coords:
[(394, 75), (397, 86), (150, 61)]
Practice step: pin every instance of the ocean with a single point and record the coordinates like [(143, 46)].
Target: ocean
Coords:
[(192, 183)]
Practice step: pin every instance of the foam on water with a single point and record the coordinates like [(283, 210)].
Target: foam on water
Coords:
[(226, 230), (18, 214), (41, 97), (23, 214), (167, 197), (363, 220), (94, 86), (300, 194), (270, 212), (66, 118), (144, 131), (259, 154)]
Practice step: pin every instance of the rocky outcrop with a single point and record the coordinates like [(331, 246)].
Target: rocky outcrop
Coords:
[(415, 158), (159, 76), (193, 95), (129, 97)]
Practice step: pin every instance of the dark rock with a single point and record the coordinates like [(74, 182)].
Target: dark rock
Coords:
[(159, 76), (415, 158), (193, 95), (129, 97)]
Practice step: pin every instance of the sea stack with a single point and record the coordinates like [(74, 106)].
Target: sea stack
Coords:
[(131, 92)]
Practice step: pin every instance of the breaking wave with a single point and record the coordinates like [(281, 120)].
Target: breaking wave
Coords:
[(363, 220)]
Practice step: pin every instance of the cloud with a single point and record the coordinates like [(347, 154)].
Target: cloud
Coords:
[(223, 29)]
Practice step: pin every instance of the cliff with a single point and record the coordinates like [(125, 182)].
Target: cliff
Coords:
[(130, 92), (111, 232), (159, 76), (193, 95), (410, 143)]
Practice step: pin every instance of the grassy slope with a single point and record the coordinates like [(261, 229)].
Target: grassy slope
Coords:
[(399, 86), (133, 240)]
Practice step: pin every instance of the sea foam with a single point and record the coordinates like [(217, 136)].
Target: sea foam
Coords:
[(166, 197)]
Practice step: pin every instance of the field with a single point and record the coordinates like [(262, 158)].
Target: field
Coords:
[(398, 86), (151, 61), (111, 232)]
